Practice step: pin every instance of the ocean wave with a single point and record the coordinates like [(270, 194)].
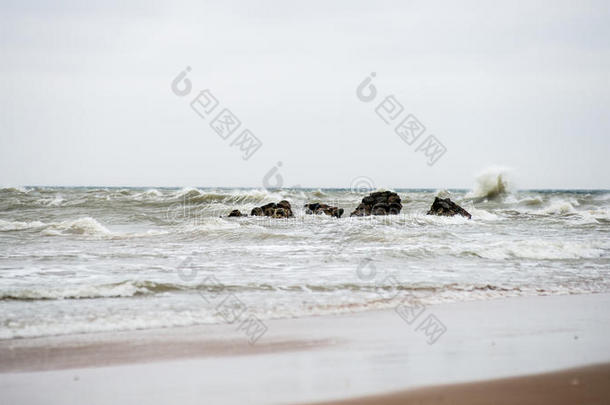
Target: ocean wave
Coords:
[(558, 207), (19, 226), (293, 301), (209, 224), (600, 214), (123, 289), (569, 208), (132, 288), (127, 289), (81, 226), (151, 194), (17, 190), (491, 184), (483, 215), (52, 202), (120, 321), (196, 196), (492, 193), (529, 201), (84, 226), (541, 250), (421, 218), (125, 198), (311, 301)]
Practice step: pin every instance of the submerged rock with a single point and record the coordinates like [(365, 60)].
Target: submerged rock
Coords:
[(447, 208), (236, 213), (279, 210), (317, 208), (379, 203)]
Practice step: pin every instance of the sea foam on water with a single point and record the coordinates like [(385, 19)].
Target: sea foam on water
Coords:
[(112, 259)]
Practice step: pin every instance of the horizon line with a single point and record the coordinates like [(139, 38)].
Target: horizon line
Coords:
[(295, 188)]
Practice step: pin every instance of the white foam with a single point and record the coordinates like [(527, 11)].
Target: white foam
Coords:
[(557, 207), (528, 201), (599, 213), (541, 250), (152, 194), (479, 214), (421, 218), (127, 289), (106, 322), (81, 226), (443, 193), (17, 189), (207, 224), (52, 202), (492, 183), (187, 192), (19, 226)]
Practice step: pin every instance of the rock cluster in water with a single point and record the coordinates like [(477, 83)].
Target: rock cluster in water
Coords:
[(273, 210), (378, 203), (447, 208), (317, 208)]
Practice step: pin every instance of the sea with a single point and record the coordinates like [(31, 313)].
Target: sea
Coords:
[(91, 259)]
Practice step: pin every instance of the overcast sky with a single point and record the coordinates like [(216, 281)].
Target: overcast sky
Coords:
[(86, 95)]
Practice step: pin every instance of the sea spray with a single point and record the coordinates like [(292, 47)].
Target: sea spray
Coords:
[(493, 183)]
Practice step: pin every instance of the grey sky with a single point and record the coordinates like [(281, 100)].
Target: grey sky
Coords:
[(85, 94)]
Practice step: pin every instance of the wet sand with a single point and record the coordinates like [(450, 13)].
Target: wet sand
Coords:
[(587, 385), (328, 358)]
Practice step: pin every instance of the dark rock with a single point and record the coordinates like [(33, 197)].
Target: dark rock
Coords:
[(447, 208), (368, 200), (362, 210), (394, 199), (279, 213), (318, 209), (236, 213), (284, 204), (394, 208), (380, 209), (273, 210), (379, 203), (311, 208), (269, 209), (257, 211)]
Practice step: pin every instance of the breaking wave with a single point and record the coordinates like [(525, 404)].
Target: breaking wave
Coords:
[(147, 288), (80, 226), (84, 226), (13, 198), (491, 184), (19, 226), (559, 207), (17, 190)]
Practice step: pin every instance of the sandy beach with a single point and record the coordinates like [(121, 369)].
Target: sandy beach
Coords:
[(525, 345), (588, 385)]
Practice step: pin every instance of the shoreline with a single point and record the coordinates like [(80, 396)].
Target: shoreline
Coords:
[(316, 358)]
